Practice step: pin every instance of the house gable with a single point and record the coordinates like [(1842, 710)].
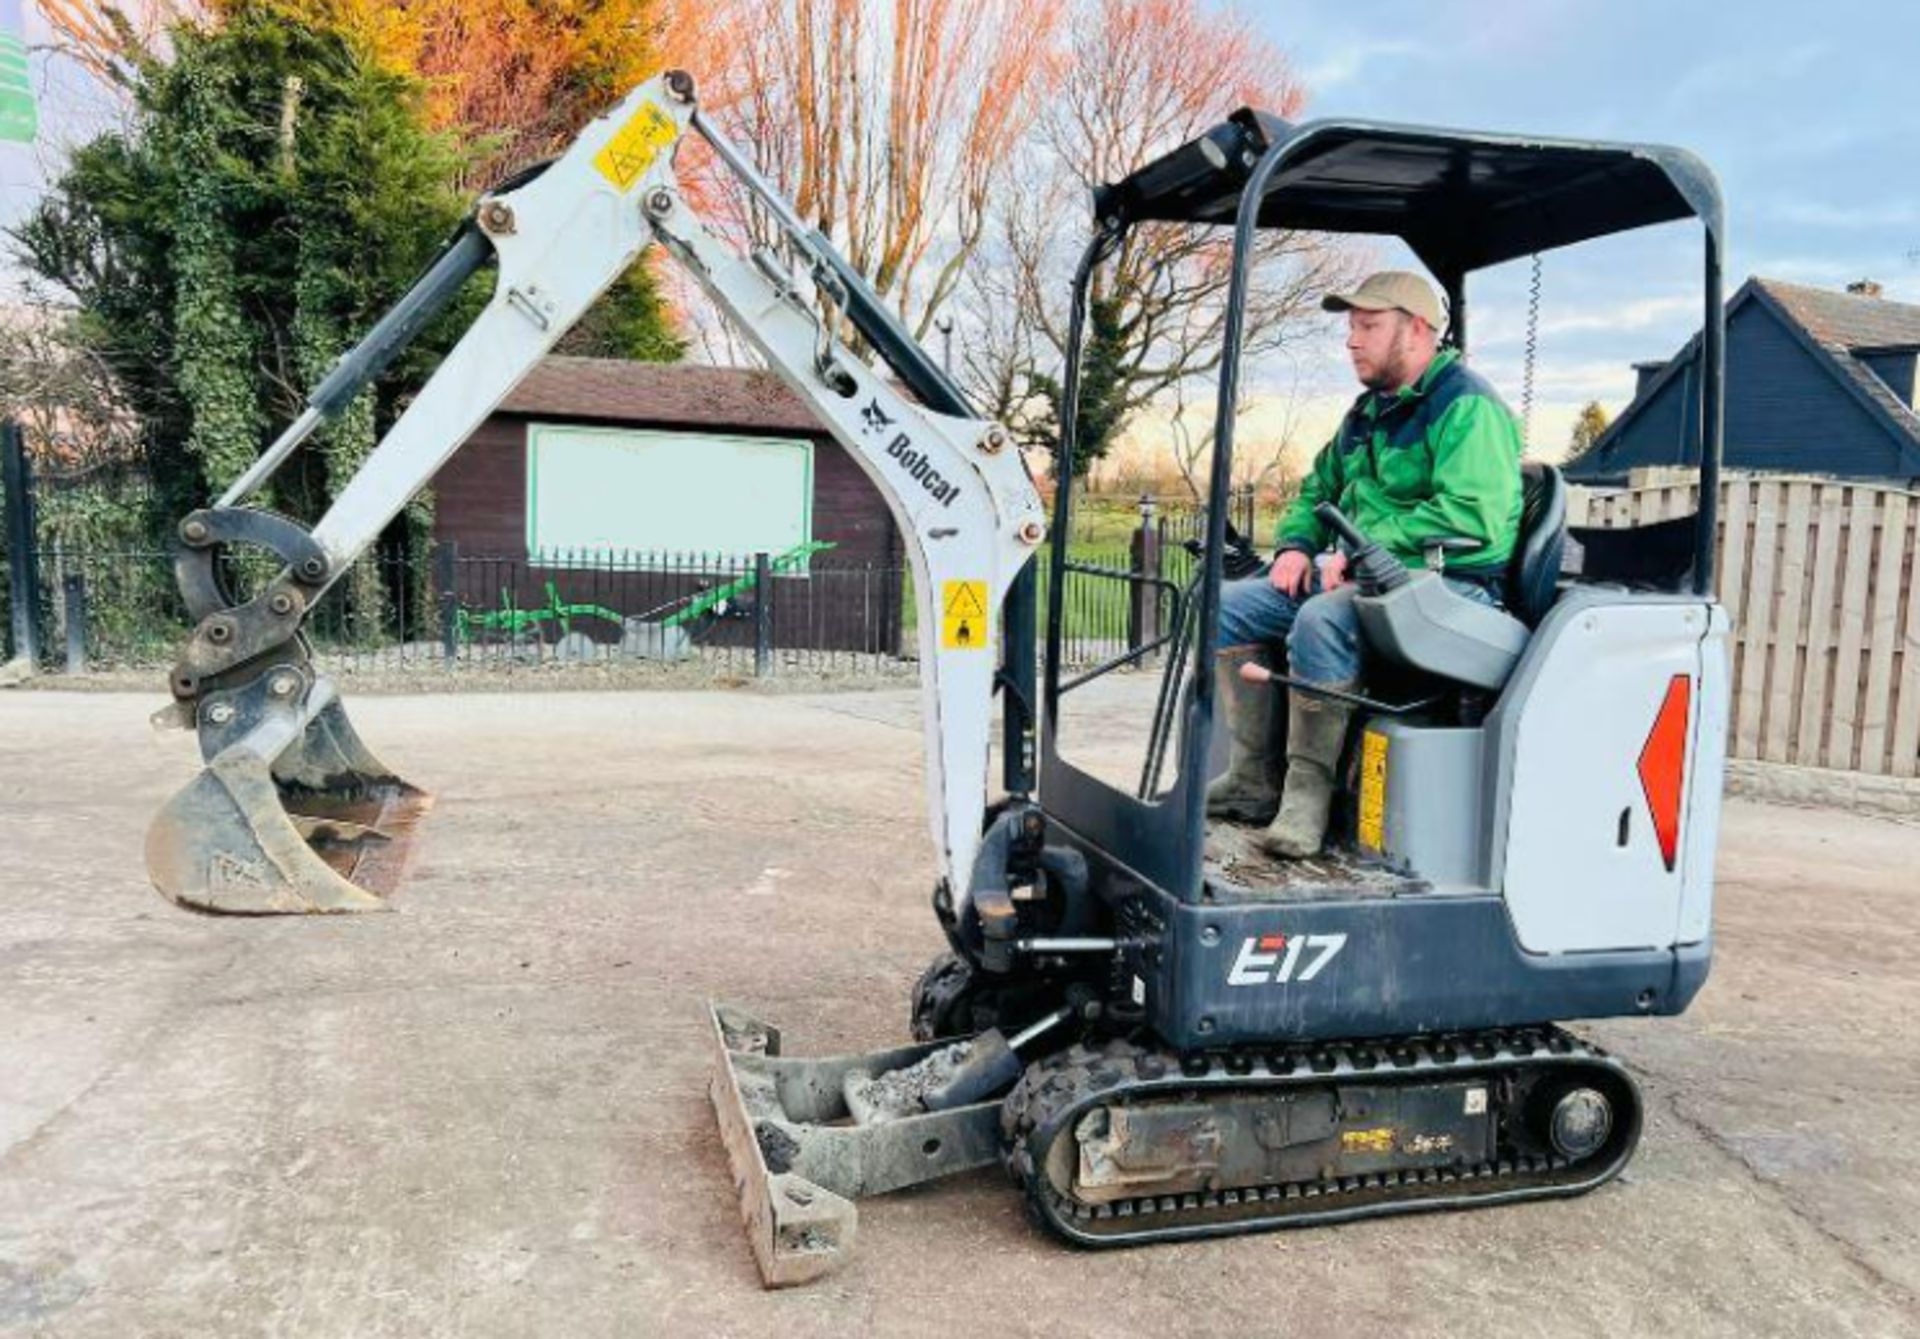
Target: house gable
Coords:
[(1793, 403)]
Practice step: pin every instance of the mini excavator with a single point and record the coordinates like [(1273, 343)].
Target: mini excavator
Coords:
[(1160, 1035)]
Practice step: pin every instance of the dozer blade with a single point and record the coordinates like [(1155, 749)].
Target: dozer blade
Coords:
[(323, 827), (801, 1152)]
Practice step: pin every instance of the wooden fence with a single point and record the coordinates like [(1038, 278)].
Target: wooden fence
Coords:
[(1819, 578)]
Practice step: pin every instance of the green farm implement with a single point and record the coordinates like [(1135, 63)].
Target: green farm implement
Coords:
[(662, 633), (517, 622)]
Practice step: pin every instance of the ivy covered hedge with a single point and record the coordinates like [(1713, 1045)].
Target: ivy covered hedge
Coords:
[(276, 188)]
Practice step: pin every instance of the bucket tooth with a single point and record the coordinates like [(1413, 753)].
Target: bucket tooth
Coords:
[(326, 827)]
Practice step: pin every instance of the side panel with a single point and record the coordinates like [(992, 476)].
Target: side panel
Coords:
[(1584, 867), (1424, 783), (1700, 833), (1388, 967)]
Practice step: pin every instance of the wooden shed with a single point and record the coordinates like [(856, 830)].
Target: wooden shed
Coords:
[(638, 486)]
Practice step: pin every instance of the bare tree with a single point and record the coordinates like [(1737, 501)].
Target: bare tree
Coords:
[(892, 129), (1141, 78), (61, 391), (110, 39), (1265, 463)]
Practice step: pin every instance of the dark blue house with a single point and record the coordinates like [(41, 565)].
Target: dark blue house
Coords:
[(1818, 382)]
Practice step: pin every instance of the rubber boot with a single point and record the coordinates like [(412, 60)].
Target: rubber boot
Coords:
[(1249, 792), (1316, 734)]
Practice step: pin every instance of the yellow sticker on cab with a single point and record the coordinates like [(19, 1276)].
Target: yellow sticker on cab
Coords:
[(963, 615), (1373, 791), (635, 145)]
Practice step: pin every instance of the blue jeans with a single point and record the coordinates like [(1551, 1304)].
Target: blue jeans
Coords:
[(1321, 630)]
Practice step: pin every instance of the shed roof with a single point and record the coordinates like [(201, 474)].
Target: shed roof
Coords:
[(681, 395)]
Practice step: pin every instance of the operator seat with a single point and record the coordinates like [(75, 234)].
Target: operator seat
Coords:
[(1534, 574), (1417, 624)]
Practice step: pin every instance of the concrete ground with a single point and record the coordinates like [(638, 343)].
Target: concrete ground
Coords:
[(486, 1114)]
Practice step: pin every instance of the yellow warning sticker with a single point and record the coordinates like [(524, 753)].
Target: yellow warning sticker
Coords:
[(1367, 1141), (963, 615), (635, 145), (1373, 791)]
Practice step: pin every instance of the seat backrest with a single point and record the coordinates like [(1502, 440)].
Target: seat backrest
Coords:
[(1532, 581)]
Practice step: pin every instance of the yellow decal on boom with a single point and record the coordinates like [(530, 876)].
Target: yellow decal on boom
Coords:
[(1373, 791), (635, 145), (963, 615)]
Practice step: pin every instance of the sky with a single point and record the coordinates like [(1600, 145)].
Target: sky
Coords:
[(1807, 112), (73, 108)]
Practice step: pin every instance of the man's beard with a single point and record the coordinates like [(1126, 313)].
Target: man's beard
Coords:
[(1391, 375)]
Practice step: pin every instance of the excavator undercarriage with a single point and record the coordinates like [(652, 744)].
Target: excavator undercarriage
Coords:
[(1121, 1145)]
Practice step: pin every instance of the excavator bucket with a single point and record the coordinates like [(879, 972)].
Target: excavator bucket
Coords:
[(317, 824)]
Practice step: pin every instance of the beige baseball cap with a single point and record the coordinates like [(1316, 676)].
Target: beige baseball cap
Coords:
[(1386, 290)]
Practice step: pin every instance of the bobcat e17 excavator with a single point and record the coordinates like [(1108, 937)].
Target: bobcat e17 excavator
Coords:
[(1159, 1033)]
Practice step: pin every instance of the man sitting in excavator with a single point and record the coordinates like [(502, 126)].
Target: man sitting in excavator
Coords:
[(1429, 452)]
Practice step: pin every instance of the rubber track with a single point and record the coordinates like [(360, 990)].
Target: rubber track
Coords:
[(1047, 1101)]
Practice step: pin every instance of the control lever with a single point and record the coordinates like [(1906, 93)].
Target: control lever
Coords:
[(1375, 570), (1237, 562)]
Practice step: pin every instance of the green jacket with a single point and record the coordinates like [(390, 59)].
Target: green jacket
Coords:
[(1439, 457)]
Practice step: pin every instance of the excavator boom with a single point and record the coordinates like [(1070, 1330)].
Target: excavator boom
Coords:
[(292, 813)]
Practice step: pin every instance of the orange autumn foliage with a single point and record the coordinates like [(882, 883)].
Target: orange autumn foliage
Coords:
[(517, 78), (514, 78)]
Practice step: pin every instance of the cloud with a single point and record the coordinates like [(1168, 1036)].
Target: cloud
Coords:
[(1607, 380), (1343, 64), (1823, 214), (1815, 140), (1492, 329), (1736, 74), (1821, 271)]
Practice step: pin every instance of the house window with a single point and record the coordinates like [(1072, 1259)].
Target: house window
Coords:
[(616, 492)]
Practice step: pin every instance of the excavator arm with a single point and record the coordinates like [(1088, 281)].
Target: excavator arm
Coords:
[(292, 813)]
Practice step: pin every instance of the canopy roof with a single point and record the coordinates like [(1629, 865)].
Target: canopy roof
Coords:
[(1460, 199)]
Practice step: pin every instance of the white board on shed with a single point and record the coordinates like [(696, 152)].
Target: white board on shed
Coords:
[(597, 491)]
